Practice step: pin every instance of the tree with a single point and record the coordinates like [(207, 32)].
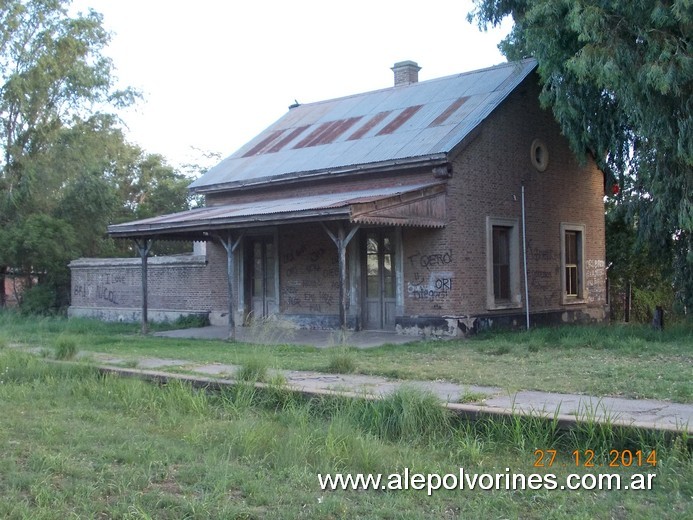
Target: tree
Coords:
[(147, 186), (66, 169), (52, 76), (639, 278), (618, 77)]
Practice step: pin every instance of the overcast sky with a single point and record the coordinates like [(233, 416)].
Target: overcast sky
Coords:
[(215, 73)]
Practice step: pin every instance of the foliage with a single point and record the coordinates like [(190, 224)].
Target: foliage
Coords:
[(39, 299), (636, 272), (191, 321), (66, 170), (619, 79)]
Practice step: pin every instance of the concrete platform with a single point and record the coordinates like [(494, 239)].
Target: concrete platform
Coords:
[(469, 400)]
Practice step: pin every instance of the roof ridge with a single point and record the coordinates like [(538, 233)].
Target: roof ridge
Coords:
[(516, 63)]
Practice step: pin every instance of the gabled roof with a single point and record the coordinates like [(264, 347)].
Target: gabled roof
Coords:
[(401, 125)]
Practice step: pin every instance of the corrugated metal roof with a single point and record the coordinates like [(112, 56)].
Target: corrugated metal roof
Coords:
[(396, 124), (336, 205)]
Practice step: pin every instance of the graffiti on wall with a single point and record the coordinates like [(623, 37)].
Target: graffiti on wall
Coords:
[(311, 279), (433, 287), (430, 282), (430, 261), (100, 288)]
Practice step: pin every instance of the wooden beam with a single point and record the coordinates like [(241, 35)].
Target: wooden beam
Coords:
[(144, 246), (341, 240), (230, 246)]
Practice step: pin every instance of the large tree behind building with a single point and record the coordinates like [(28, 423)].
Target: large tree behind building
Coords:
[(52, 74), (66, 170), (618, 76)]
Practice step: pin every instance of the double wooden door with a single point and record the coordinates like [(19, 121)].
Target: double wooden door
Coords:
[(378, 253), (260, 276)]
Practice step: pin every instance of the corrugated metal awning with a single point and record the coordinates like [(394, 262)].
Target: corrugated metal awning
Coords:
[(421, 205)]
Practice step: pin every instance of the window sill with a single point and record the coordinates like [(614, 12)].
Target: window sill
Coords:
[(573, 301), (503, 306)]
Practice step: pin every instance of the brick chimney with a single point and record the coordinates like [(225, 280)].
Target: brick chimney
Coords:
[(406, 72)]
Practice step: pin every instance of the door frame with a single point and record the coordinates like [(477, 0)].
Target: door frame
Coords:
[(271, 306), (396, 237)]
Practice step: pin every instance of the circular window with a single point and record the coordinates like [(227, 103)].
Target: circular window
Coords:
[(539, 155)]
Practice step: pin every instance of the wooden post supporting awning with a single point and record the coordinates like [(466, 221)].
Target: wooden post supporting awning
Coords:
[(341, 240), (230, 245), (144, 246)]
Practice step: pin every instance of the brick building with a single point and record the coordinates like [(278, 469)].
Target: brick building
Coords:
[(400, 208)]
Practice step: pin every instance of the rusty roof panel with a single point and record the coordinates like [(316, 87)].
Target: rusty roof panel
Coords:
[(328, 132), (401, 118), (369, 125), (449, 111), (293, 134), (397, 124), (259, 147), (315, 135)]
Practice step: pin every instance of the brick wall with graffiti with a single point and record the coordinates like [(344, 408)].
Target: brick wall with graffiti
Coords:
[(111, 288)]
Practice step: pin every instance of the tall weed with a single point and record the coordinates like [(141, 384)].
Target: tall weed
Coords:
[(408, 413), (342, 360), (270, 330), (253, 370), (65, 348)]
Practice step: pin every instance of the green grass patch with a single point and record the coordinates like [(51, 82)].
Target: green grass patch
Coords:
[(468, 396), (253, 370), (342, 360), (77, 444), (65, 348), (619, 360)]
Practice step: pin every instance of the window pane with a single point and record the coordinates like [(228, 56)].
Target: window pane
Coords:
[(571, 247), (387, 264), (373, 287), (257, 269), (501, 246), (389, 287), (501, 262), (372, 244), (571, 281), (372, 265), (572, 262)]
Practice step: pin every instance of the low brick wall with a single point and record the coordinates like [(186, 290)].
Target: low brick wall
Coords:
[(110, 289)]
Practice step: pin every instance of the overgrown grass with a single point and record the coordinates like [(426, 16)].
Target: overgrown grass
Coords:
[(65, 348), (269, 330), (618, 360), (342, 360), (253, 370), (75, 443)]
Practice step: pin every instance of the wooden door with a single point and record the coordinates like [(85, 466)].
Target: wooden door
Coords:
[(378, 248), (261, 276)]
